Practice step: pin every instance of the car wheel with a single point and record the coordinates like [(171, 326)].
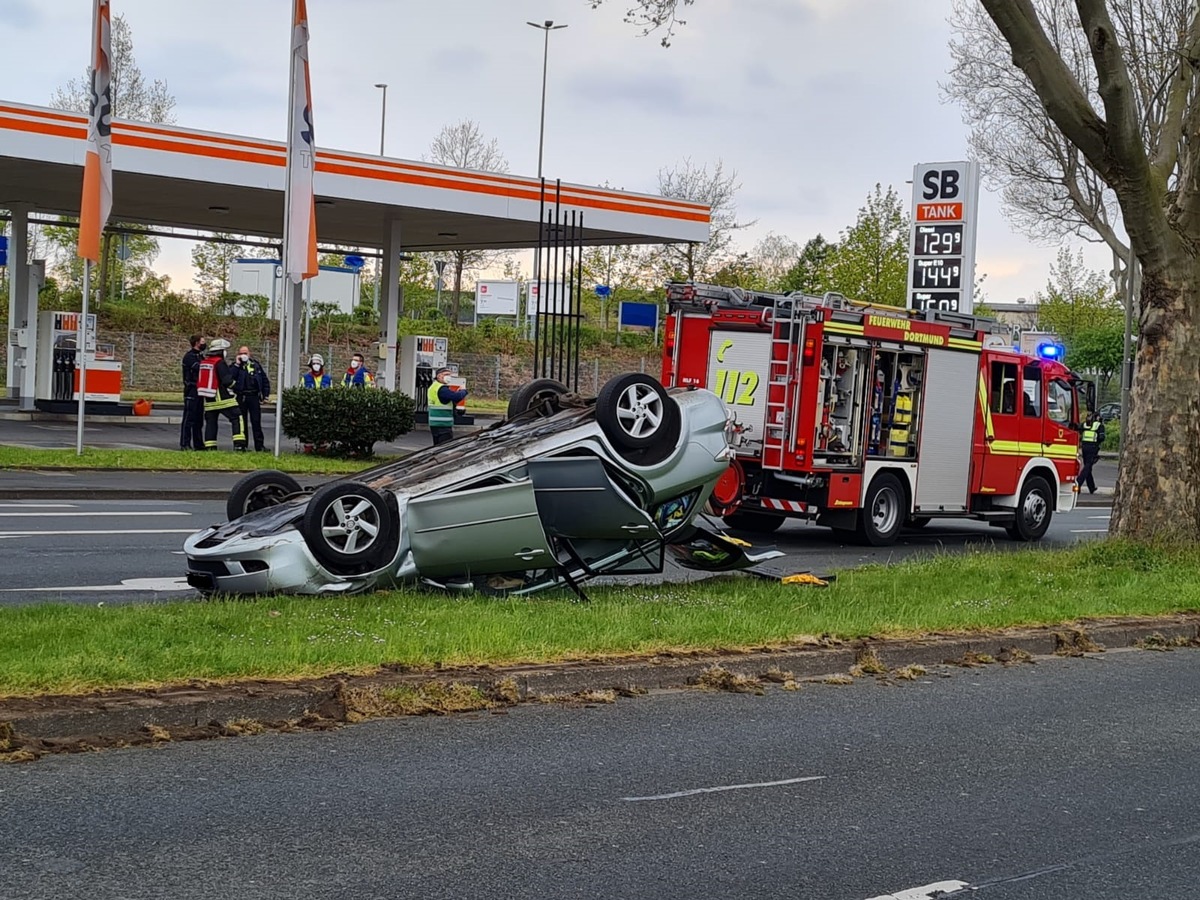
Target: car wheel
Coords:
[(756, 522), (880, 518), (258, 490), (1034, 511), (347, 526), (635, 412), (541, 394)]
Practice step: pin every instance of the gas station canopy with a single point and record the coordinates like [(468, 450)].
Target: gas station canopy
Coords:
[(168, 176)]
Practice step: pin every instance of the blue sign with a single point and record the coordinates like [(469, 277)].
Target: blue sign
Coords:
[(603, 290), (3, 250), (355, 262), (639, 315)]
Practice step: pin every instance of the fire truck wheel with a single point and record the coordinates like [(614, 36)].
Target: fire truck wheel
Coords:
[(635, 412), (1033, 512), (266, 487), (541, 394), (882, 515), (756, 522)]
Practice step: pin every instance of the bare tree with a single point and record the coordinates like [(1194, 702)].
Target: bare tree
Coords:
[(463, 146), (718, 191), (1049, 187), (132, 96), (652, 15)]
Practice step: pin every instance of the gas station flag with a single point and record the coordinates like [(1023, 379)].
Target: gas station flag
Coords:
[(97, 167), (301, 253)]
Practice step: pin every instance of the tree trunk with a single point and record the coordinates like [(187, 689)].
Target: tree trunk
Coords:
[(460, 259), (1158, 491)]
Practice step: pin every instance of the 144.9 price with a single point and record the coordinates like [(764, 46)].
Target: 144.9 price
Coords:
[(937, 273)]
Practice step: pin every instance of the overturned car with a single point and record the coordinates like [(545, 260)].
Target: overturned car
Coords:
[(564, 490)]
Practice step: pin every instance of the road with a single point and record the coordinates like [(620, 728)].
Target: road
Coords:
[(1072, 779), (112, 551)]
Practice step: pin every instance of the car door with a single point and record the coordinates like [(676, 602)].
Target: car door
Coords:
[(577, 499), (495, 528)]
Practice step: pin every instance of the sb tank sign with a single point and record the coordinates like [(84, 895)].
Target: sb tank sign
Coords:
[(941, 258)]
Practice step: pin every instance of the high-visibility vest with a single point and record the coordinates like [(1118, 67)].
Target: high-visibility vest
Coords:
[(441, 415), (901, 421), (1091, 433)]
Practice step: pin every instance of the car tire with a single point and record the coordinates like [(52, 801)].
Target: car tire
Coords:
[(1034, 511), (755, 522), (883, 512), (541, 394), (347, 526), (258, 490), (635, 412)]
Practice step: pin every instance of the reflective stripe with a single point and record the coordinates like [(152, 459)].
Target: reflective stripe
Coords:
[(1091, 434), (441, 415)]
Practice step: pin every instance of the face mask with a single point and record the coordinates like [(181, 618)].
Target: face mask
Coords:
[(202, 346), (354, 363), (243, 358), (316, 367)]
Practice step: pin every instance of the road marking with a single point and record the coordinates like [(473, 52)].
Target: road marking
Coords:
[(925, 893), (129, 584), (15, 515), (15, 534), (724, 787), (39, 505), (1109, 516), (1089, 531)]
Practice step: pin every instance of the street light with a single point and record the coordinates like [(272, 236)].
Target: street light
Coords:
[(382, 116), (547, 26)]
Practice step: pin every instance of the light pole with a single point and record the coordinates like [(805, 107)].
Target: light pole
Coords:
[(382, 123), (382, 116), (547, 26)]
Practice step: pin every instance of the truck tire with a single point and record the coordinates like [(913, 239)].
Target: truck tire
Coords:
[(756, 522), (1034, 511), (541, 394), (883, 513), (258, 490)]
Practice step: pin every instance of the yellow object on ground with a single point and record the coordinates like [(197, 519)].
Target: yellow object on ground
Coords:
[(804, 578)]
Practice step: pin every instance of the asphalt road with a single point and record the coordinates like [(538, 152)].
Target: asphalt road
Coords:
[(1072, 779), (130, 551)]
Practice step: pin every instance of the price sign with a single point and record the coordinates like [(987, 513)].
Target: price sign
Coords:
[(941, 262)]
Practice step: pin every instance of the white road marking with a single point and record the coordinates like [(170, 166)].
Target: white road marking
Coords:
[(724, 787), (1089, 531), (1109, 516), (129, 584), (16, 534), (925, 893), (166, 512), (39, 505)]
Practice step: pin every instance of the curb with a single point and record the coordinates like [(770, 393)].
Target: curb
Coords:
[(73, 723)]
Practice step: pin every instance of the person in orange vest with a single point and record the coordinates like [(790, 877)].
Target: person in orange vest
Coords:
[(217, 384)]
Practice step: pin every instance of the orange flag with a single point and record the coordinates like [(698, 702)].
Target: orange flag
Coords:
[(97, 168)]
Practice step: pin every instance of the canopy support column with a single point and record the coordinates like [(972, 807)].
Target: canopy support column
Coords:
[(389, 303)]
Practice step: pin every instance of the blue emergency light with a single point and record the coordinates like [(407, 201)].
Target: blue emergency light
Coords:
[(1051, 350)]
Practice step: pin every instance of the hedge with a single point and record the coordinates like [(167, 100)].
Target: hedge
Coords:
[(346, 421)]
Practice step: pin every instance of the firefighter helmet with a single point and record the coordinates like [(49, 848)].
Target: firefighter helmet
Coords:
[(220, 345)]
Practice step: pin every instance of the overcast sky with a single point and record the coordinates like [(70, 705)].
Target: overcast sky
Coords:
[(811, 101)]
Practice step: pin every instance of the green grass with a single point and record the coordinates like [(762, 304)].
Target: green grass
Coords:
[(59, 648), (175, 461)]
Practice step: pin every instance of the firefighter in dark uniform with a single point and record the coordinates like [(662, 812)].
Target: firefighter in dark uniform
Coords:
[(253, 389), (1091, 440), (225, 403), (191, 428), (441, 398)]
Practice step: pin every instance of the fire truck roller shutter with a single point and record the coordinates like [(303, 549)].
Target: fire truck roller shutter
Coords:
[(738, 363), (947, 422)]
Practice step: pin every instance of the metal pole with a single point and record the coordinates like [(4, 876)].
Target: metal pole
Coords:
[(546, 26), (81, 354), (1131, 276), (382, 117)]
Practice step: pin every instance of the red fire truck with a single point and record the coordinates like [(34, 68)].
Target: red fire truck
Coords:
[(869, 419)]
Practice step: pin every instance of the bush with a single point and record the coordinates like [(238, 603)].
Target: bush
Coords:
[(1112, 436), (344, 421)]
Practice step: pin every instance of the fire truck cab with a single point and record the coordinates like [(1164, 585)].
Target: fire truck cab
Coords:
[(868, 419)]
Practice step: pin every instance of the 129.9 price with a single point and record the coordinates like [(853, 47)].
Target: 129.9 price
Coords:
[(938, 240)]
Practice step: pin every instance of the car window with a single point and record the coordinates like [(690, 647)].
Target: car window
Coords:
[(1060, 402), (1031, 390)]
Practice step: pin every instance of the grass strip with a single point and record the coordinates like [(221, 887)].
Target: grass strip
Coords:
[(62, 648), (175, 461)]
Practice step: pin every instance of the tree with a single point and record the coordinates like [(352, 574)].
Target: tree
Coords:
[(211, 261), (1076, 300), (132, 96), (1049, 187), (463, 146), (1155, 185), (773, 258), (810, 273), (870, 262), (652, 15), (622, 268), (718, 191)]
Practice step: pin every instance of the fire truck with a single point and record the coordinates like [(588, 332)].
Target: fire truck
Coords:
[(869, 419)]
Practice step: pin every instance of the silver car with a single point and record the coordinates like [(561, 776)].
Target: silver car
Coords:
[(564, 490)]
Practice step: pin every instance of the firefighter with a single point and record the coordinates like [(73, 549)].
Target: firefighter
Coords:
[(316, 376), (441, 398), (224, 402), (1092, 438), (253, 389)]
